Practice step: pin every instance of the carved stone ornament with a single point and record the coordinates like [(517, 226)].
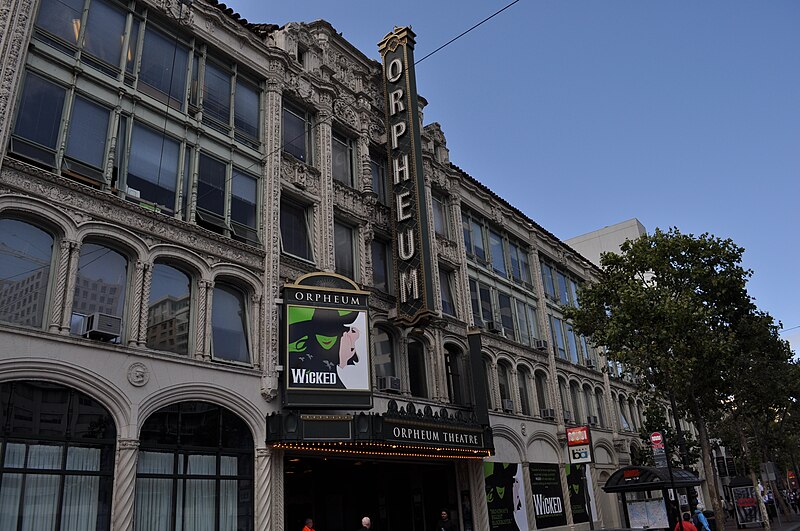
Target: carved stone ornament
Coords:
[(180, 11), (138, 374)]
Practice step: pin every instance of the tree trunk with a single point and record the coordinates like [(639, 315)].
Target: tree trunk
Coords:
[(753, 479), (705, 445)]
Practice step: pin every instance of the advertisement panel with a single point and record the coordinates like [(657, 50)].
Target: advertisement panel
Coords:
[(326, 343), (577, 494), (746, 503), (548, 498), (505, 497)]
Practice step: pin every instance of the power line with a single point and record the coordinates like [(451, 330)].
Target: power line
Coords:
[(454, 39), (782, 330)]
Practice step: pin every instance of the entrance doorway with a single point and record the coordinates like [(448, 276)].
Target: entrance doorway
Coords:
[(397, 496)]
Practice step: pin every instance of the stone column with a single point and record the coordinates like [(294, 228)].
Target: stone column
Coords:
[(69, 289), (124, 484), (323, 214), (202, 345), (514, 391), (64, 257), (477, 490), (264, 488)]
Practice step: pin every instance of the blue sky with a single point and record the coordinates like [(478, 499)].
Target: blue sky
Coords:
[(583, 114)]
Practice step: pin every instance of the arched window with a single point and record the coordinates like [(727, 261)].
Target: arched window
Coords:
[(99, 288), (384, 358), (524, 395), (230, 340), (195, 470), (487, 371), (601, 408), (169, 310), (623, 418), (58, 458), (504, 384), (416, 368), (564, 395), (26, 253), (575, 396), (456, 375), (588, 396), (540, 379), (633, 414)]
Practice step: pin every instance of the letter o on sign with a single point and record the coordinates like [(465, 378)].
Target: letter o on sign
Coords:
[(394, 70)]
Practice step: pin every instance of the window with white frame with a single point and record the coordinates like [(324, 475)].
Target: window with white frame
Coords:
[(296, 230)]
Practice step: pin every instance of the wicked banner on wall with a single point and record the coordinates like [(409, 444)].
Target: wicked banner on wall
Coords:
[(548, 498), (505, 497), (577, 493)]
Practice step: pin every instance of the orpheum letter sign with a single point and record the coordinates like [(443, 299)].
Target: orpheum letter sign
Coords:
[(412, 253)]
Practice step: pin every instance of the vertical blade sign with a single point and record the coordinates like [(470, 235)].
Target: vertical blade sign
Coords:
[(412, 244)]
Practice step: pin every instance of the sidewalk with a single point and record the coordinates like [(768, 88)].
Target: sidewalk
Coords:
[(788, 523)]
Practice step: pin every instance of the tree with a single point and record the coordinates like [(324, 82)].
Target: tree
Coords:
[(667, 307)]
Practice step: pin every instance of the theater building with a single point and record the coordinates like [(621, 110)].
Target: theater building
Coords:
[(241, 285)]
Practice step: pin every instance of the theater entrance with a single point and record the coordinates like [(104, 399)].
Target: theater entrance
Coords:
[(396, 495)]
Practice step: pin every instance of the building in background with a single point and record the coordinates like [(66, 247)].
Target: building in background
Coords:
[(167, 171)]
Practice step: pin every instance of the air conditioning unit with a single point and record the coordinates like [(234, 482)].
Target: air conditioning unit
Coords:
[(103, 326), (493, 326), (593, 420), (567, 415), (508, 405), (389, 383), (540, 344), (549, 414), (590, 364)]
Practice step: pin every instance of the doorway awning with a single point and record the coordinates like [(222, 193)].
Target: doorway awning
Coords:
[(644, 478)]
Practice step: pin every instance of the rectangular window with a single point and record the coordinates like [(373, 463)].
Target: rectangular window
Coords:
[(164, 67), (211, 185), (467, 233), (440, 220), (446, 285), (475, 301), (533, 323), (486, 304), (342, 152), (244, 207), (377, 165), (88, 129), (563, 294), (61, 18), (105, 28), (506, 315), (558, 336), (153, 166), (381, 273), (478, 245), (572, 344), (39, 119), (573, 292), (524, 266), (296, 132), (296, 230), (547, 280), (246, 112), (217, 94), (344, 250), (498, 256), (522, 323)]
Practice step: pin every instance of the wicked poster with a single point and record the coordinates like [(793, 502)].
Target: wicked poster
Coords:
[(505, 497), (577, 493), (548, 498), (326, 342)]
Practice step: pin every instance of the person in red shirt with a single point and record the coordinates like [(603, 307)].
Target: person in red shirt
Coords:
[(687, 524), (310, 525)]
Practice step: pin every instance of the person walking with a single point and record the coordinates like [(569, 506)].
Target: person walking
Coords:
[(445, 523), (686, 524), (366, 523), (309, 525), (700, 520)]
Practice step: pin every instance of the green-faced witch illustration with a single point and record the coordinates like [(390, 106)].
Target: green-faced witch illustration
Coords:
[(321, 342)]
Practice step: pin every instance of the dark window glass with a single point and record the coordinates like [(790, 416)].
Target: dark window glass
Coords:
[(416, 369), (562, 288), (467, 233), (587, 399), (440, 217), (478, 248), (475, 301), (62, 18), (524, 398), (169, 310), (513, 252), (524, 267), (383, 360), (541, 389), (522, 320), (230, 340), (572, 345), (573, 292), (576, 403), (506, 314), (39, 113), (164, 66), (211, 185), (243, 199), (486, 303), (88, 130), (558, 336), (342, 151), (209, 487), (498, 257), (246, 109), (343, 243), (448, 306), (487, 365), (105, 28), (455, 375), (547, 280), (381, 278), (217, 93), (133, 41), (153, 166), (58, 446), (533, 322), (503, 382), (379, 186), (295, 230), (24, 272), (99, 267), (296, 131), (601, 408)]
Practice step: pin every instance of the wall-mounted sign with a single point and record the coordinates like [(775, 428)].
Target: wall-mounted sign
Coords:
[(412, 243), (548, 498), (505, 496), (579, 445), (326, 343), (431, 434), (577, 493)]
